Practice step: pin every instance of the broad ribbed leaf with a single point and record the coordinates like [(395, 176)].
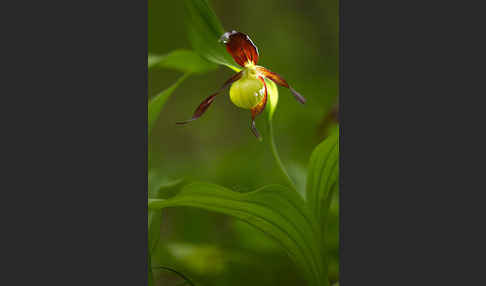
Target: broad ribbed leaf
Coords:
[(277, 211), (155, 105), (204, 31), (181, 60), (323, 177)]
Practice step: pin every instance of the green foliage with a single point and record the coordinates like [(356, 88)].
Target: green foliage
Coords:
[(156, 190), (181, 60), (298, 226), (323, 177), (276, 210), (155, 105), (186, 281), (187, 62), (204, 31), (154, 223)]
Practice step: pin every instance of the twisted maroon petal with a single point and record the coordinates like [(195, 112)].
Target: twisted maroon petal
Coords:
[(280, 81), (208, 101), (257, 110)]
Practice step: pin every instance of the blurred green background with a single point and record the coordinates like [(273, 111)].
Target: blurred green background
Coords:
[(298, 40)]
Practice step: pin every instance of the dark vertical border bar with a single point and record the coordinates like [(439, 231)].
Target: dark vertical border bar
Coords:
[(145, 129), (410, 211), (80, 216)]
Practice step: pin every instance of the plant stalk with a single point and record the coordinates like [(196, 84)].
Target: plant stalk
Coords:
[(280, 165)]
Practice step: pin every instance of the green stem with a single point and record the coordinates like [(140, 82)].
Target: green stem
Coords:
[(280, 165), (186, 280)]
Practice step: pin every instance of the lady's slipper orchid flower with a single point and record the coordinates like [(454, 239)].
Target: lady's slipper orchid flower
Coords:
[(248, 89)]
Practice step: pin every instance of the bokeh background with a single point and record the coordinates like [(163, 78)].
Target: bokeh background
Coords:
[(298, 40)]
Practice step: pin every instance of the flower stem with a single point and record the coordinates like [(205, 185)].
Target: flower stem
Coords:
[(280, 165)]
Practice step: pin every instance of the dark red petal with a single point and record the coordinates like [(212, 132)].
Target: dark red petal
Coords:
[(200, 109), (240, 47), (257, 110), (254, 130), (208, 101), (280, 81)]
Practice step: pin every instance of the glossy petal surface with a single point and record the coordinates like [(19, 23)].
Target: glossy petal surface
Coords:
[(240, 47)]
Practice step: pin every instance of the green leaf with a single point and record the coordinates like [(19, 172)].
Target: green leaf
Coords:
[(323, 177), (181, 60), (155, 105), (163, 190), (277, 211), (205, 30), (158, 190)]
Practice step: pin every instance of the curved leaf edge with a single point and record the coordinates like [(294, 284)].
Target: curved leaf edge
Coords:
[(317, 272)]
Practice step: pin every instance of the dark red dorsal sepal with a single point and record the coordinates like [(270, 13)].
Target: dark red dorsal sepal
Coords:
[(240, 47)]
